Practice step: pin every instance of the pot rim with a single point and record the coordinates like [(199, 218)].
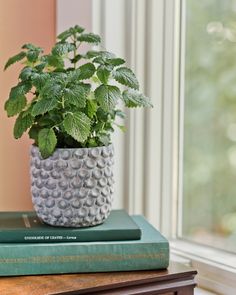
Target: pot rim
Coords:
[(95, 147)]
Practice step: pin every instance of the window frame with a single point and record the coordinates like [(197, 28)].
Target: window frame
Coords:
[(216, 268)]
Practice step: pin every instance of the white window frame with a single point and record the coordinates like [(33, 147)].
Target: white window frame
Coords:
[(216, 268), (149, 35)]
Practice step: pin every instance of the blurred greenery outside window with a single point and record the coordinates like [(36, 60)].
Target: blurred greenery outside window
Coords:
[(209, 179)]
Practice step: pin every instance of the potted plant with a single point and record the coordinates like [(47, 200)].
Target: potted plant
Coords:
[(67, 101)]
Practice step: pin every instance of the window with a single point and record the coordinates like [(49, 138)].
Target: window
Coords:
[(209, 157)]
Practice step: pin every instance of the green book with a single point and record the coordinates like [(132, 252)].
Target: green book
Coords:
[(26, 227), (150, 252)]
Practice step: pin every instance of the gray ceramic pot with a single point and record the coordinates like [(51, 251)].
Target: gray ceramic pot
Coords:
[(73, 187)]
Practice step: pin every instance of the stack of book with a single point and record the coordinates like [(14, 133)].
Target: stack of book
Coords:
[(121, 243)]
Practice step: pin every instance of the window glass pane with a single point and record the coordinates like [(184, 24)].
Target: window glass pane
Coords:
[(209, 169)]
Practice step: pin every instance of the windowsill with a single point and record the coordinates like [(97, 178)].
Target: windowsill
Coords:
[(216, 269), (214, 257), (198, 291)]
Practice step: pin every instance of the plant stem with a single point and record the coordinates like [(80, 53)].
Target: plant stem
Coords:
[(75, 50)]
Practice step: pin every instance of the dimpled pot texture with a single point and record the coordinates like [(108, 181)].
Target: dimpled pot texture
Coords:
[(73, 187)]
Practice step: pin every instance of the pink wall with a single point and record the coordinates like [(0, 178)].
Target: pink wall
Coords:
[(21, 21)]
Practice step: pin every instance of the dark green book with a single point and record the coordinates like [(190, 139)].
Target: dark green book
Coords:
[(150, 252), (26, 227)]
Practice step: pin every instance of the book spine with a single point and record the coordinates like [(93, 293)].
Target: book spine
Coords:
[(21, 236), (30, 259)]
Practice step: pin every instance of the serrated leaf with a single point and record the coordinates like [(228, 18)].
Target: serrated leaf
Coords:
[(77, 125), (32, 55), (44, 105), (15, 105), (92, 54), (70, 32), (29, 108), (55, 61), (20, 89), (47, 142), (40, 66), (77, 29), (62, 48), (26, 73), (133, 98), (14, 59), (91, 107), (102, 115), (76, 95), (116, 61), (73, 76), (105, 139), (64, 35), (103, 74), (30, 46), (39, 80), (86, 71), (22, 123), (17, 100), (53, 88), (89, 38), (126, 77), (107, 96), (99, 60), (33, 133), (77, 58)]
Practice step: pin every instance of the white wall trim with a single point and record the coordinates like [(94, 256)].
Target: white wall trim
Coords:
[(146, 179)]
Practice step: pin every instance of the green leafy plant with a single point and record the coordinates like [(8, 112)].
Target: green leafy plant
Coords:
[(71, 105)]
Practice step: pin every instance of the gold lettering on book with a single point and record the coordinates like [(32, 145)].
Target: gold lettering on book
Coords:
[(74, 258)]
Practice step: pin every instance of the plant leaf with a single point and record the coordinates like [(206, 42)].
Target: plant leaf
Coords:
[(76, 58), (133, 98), (126, 77), (30, 46), (77, 125), (53, 88), (17, 100), (44, 105), (107, 96), (26, 73), (15, 105), (76, 95), (47, 142), (23, 122), (39, 80), (103, 73), (64, 35), (32, 55), (86, 71), (89, 38), (77, 29), (92, 54), (105, 139), (33, 133), (116, 61), (55, 61), (14, 59), (62, 48), (91, 107), (70, 32)]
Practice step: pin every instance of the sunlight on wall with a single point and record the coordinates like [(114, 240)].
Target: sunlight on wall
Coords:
[(21, 22)]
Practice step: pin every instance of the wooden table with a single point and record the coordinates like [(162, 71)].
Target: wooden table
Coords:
[(177, 280)]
